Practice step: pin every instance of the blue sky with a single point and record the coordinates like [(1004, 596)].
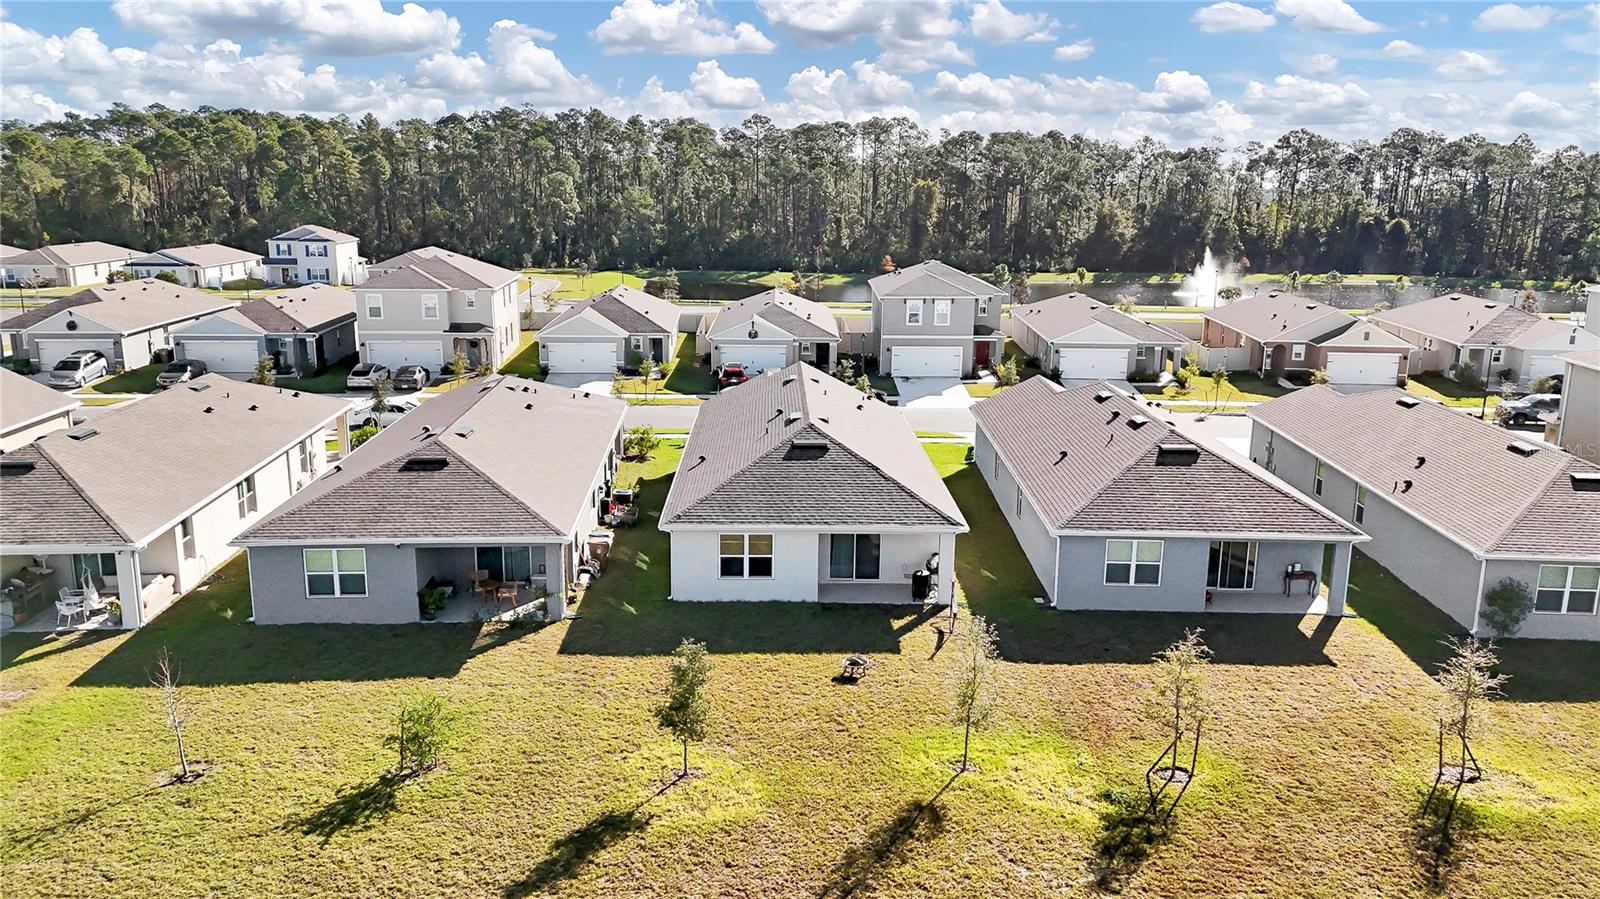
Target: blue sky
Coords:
[(1188, 73)]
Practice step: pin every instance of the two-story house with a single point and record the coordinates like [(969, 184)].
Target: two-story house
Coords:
[(312, 254), (931, 320), (422, 306)]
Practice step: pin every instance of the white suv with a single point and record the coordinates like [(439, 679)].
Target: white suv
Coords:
[(79, 368)]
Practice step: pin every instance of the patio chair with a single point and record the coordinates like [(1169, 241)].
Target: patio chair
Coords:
[(92, 600), (69, 607), (478, 577)]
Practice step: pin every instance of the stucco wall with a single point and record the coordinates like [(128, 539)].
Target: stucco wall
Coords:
[(1038, 544), (278, 589), (1580, 413), (24, 436), (1541, 625), (696, 567)]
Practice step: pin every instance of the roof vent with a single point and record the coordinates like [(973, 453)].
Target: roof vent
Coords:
[(427, 430), (806, 449), (1407, 401), (254, 407), (15, 466), (1101, 396), (296, 393), (1137, 422), (463, 432), (528, 406), (1060, 459), (790, 379), (198, 386), (425, 463), (1177, 454), (790, 420), (1405, 486), (1522, 448), (209, 409), (1421, 461), (84, 432), (1586, 481)]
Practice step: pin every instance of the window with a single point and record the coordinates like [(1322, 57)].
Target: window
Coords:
[(472, 301), (1316, 483), (1139, 353), (805, 351), (746, 555), (1567, 588), (374, 305), (1297, 352), (1497, 356), (317, 250), (913, 312), (635, 343), (336, 572), (1233, 565), (941, 312), (1133, 562), (1361, 504), (430, 306), (1019, 501), (186, 537), (87, 565), (853, 556), (305, 457), (245, 493), (983, 306)]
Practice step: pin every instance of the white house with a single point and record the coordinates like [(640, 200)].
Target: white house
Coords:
[(312, 254), (29, 410), (127, 322), (202, 265), (69, 264), (772, 329), (620, 328)]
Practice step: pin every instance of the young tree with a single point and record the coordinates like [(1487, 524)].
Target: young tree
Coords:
[(266, 371), (864, 384), (459, 362), (382, 389), (1506, 605), (1528, 300), (164, 677), (972, 682), (1468, 686), (887, 264), (669, 286), (1009, 372), (845, 370), (1082, 275), (619, 382), (1319, 376), (1293, 281), (1230, 293), (641, 442), (423, 730), (1019, 287), (1125, 304), (1333, 279), (1189, 373), (684, 710), (1176, 702), (1001, 275), (1219, 384)]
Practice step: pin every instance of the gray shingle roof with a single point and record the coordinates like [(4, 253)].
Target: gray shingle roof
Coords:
[(202, 254), (452, 269), (742, 466), (308, 308), (44, 507), (517, 471), (1109, 479), (803, 318), (1470, 486), (1281, 316), (629, 308), (129, 307), (932, 279), (1470, 321), (88, 252), (1060, 316), (315, 232), (24, 400)]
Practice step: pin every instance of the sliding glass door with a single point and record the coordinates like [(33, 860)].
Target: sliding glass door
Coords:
[(509, 563)]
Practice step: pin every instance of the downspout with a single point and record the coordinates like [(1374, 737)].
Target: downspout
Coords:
[(1477, 603)]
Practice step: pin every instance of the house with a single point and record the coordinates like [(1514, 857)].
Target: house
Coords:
[(1454, 505), (771, 329), (1115, 509), (201, 265), (1576, 424), (796, 487), (70, 264), (1082, 338), (1275, 334), (129, 322), (312, 254), (934, 320), (7, 253), (305, 329), (144, 499), (425, 305), (617, 329), (29, 410), (448, 491), (1500, 342)]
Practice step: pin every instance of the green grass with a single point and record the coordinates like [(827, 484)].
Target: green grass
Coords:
[(525, 364), (1024, 371), (1242, 387), (1452, 393), (1320, 741), (685, 374), (102, 401), (134, 380), (331, 380), (575, 286)]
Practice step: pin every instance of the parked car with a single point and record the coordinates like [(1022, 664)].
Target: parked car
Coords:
[(363, 416), (1526, 410), (78, 368), (411, 377), (362, 376), (731, 376), (178, 371)]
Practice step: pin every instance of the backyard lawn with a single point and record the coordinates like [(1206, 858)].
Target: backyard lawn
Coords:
[(331, 380), (1315, 759), (1451, 393), (134, 380), (525, 364), (1242, 387)]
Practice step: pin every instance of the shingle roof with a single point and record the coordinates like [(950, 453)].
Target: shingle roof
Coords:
[(803, 318), (308, 308), (1061, 316), (1109, 479), (88, 252), (1471, 321), (204, 255), (7, 251), (932, 279), (1470, 484), (24, 400), (447, 268), (1282, 316), (1584, 358), (490, 485), (629, 308), (44, 507), (129, 307), (315, 232), (154, 460), (746, 462)]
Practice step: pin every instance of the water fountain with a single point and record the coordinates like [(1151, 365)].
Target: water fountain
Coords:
[(1200, 289)]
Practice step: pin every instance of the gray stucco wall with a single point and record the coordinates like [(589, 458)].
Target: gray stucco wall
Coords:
[(278, 589), (1038, 544), (1542, 625)]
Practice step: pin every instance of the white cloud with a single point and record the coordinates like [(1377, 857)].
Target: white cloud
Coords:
[(1304, 101), (992, 23), (677, 26), (1074, 51), (1398, 49), (1319, 65), (916, 35), (656, 102), (1178, 91), (1465, 65), (1512, 17), (1229, 16), (1220, 122), (865, 90), (979, 91), (1325, 15), (22, 102), (331, 27), (1530, 110), (723, 91)]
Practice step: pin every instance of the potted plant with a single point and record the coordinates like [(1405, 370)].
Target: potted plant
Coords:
[(114, 612), (431, 600)]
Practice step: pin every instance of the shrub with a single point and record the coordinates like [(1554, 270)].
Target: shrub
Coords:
[(1468, 374), (459, 362), (1506, 605), (423, 730), (1544, 384), (1142, 377), (168, 277), (1007, 373), (1031, 362), (266, 371), (640, 442), (362, 435), (1319, 376)]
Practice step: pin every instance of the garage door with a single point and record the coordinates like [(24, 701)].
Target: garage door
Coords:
[(925, 361), (1544, 364), (1363, 368), (754, 356), (582, 357), (222, 355), (53, 351), (395, 353), (1086, 363)]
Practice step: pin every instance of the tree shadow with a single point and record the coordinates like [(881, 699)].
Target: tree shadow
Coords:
[(23, 841), (571, 852), (1129, 833), (886, 846), (357, 807), (20, 649), (1435, 847)]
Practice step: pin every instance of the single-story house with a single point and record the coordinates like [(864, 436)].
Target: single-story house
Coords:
[(29, 410), (617, 329), (304, 329), (1499, 341), (1116, 509), (202, 265), (1081, 338), (447, 492), (1454, 505), (771, 329), (143, 500), (1276, 333), (1576, 424), (7, 253), (796, 487), (128, 322), (69, 264)]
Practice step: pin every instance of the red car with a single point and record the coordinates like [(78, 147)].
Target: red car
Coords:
[(731, 376)]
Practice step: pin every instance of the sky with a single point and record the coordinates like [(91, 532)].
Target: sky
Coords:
[(1186, 73)]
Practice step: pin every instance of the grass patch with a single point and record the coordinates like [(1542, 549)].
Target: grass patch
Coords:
[(1024, 371), (331, 379), (667, 401), (101, 401), (525, 364), (1242, 387), (1452, 393), (576, 286), (134, 380), (685, 374)]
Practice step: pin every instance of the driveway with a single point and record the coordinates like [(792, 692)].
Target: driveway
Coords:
[(587, 381), (933, 393)]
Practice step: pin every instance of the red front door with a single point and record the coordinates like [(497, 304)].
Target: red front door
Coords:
[(981, 352)]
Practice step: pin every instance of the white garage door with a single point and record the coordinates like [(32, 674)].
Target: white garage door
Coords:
[(754, 356), (1086, 363), (1363, 368), (53, 351), (395, 353), (1544, 364), (222, 355), (925, 361), (582, 357)]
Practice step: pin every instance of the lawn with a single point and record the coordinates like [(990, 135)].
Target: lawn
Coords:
[(134, 380), (1024, 370), (331, 380), (525, 364), (1242, 387), (1316, 755), (576, 286), (685, 374), (1441, 389)]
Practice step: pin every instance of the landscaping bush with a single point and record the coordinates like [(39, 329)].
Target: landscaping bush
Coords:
[(423, 730), (1506, 605), (362, 434), (1299, 378), (1143, 377), (1468, 375), (1319, 376), (1544, 384), (168, 277)]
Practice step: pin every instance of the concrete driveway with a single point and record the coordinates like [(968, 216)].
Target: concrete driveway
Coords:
[(933, 393), (587, 381)]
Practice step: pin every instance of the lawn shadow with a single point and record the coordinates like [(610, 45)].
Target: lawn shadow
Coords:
[(24, 840), (1128, 836), (18, 649), (886, 846), (1437, 848), (355, 808), (575, 849)]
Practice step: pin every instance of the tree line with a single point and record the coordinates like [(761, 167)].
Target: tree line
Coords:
[(521, 187)]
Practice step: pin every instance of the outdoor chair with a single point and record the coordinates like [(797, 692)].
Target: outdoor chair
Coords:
[(69, 607)]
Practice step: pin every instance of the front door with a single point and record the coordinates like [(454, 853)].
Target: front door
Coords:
[(822, 356), (1266, 360), (658, 349), (981, 353)]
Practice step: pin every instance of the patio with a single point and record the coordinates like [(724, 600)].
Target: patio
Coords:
[(470, 607)]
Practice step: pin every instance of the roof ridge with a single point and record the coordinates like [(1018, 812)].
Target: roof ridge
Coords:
[(67, 476), (1533, 500), (494, 483), (914, 493)]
